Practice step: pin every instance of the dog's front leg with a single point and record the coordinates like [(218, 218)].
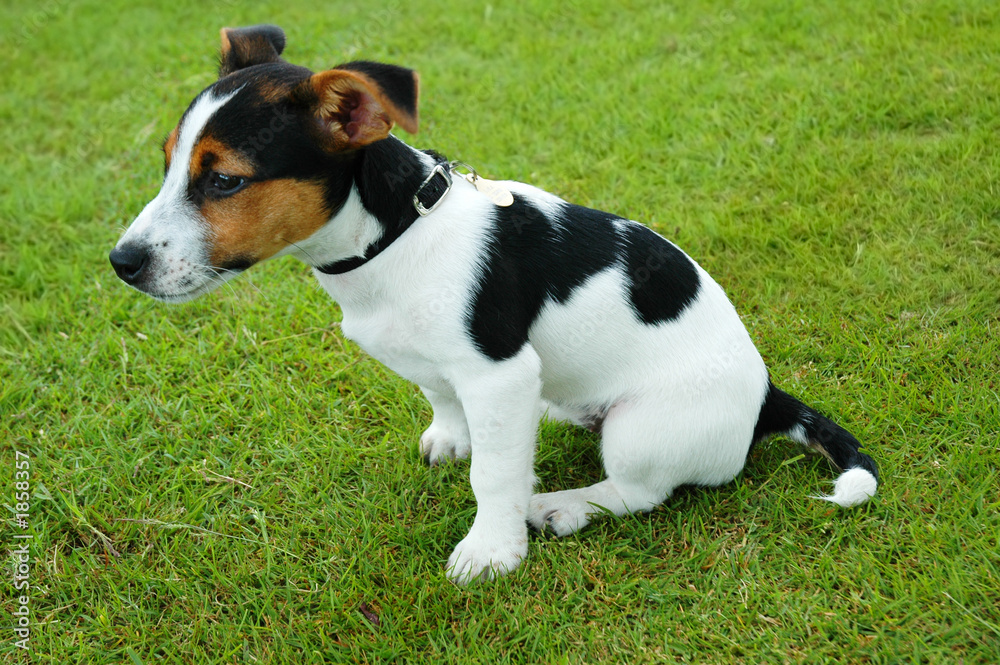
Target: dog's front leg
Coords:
[(448, 435), (501, 402)]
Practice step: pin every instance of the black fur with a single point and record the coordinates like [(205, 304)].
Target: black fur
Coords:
[(780, 413), (397, 83), (663, 280), (532, 259), (387, 174), (279, 137), (250, 46)]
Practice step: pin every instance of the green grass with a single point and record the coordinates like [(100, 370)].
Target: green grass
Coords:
[(233, 481)]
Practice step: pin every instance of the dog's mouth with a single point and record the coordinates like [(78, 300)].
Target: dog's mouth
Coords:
[(173, 286), (184, 296), (208, 280)]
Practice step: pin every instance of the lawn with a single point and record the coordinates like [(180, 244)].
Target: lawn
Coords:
[(232, 481)]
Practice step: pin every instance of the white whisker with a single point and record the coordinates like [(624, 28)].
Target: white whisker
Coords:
[(302, 249), (217, 276)]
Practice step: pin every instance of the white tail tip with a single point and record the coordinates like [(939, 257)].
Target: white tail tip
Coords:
[(853, 487)]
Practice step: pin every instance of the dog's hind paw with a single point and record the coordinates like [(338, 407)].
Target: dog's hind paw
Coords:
[(558, 512), (478, 559), (439, 443)]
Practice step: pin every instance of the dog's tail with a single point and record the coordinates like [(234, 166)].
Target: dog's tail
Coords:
[(783, 414)]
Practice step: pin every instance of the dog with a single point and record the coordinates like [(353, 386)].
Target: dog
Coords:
[(503, 302)]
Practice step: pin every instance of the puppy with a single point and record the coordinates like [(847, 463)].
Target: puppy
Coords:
[(501, 301)]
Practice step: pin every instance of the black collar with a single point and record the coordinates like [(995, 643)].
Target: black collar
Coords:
[(427, 196)]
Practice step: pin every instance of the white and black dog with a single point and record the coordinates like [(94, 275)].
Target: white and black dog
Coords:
[(501, 301)]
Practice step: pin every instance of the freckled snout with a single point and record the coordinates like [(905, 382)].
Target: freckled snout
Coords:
[(130, 261)]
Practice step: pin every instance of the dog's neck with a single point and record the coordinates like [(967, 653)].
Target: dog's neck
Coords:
[(379, 207)]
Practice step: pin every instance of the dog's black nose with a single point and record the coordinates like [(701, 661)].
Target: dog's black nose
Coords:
[(129, 261)]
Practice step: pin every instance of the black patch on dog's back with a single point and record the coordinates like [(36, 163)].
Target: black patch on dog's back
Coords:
[(532, 259), (663, 280)]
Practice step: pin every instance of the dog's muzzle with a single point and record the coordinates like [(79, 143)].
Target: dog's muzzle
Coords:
[(130, 262)]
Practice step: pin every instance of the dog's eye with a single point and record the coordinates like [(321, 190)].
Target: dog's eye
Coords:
[(225, 184)]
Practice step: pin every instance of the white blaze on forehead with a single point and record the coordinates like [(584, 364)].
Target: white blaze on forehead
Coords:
[(164, 216), (187, 137), (170, 229)]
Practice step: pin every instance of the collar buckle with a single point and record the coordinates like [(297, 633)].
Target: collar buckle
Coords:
[(433, 191)]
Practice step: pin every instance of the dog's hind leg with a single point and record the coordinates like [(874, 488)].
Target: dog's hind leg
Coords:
[(570, 510), (649, 449), (627, 489), (448, 435)]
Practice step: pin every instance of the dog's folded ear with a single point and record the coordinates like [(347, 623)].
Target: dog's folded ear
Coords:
[(399, 86), (358, 102), (244, 47)]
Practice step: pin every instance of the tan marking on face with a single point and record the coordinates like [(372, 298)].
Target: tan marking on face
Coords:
[(264, 218), (226, 160), (169, 145)]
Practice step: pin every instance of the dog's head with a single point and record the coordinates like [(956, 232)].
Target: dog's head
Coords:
[(260, 161)]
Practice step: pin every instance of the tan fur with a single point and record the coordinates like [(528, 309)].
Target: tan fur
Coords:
[(355, 110), (224, 159), (272, 92), (227, 46), (265, 217), (257, 222), (169, 145)]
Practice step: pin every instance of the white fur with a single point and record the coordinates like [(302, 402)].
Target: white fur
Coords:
[(682, 397), (853, 487), (798, 435), (352, 233)]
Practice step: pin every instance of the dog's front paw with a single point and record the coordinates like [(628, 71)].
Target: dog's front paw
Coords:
[(477, 559), (438, 444)]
